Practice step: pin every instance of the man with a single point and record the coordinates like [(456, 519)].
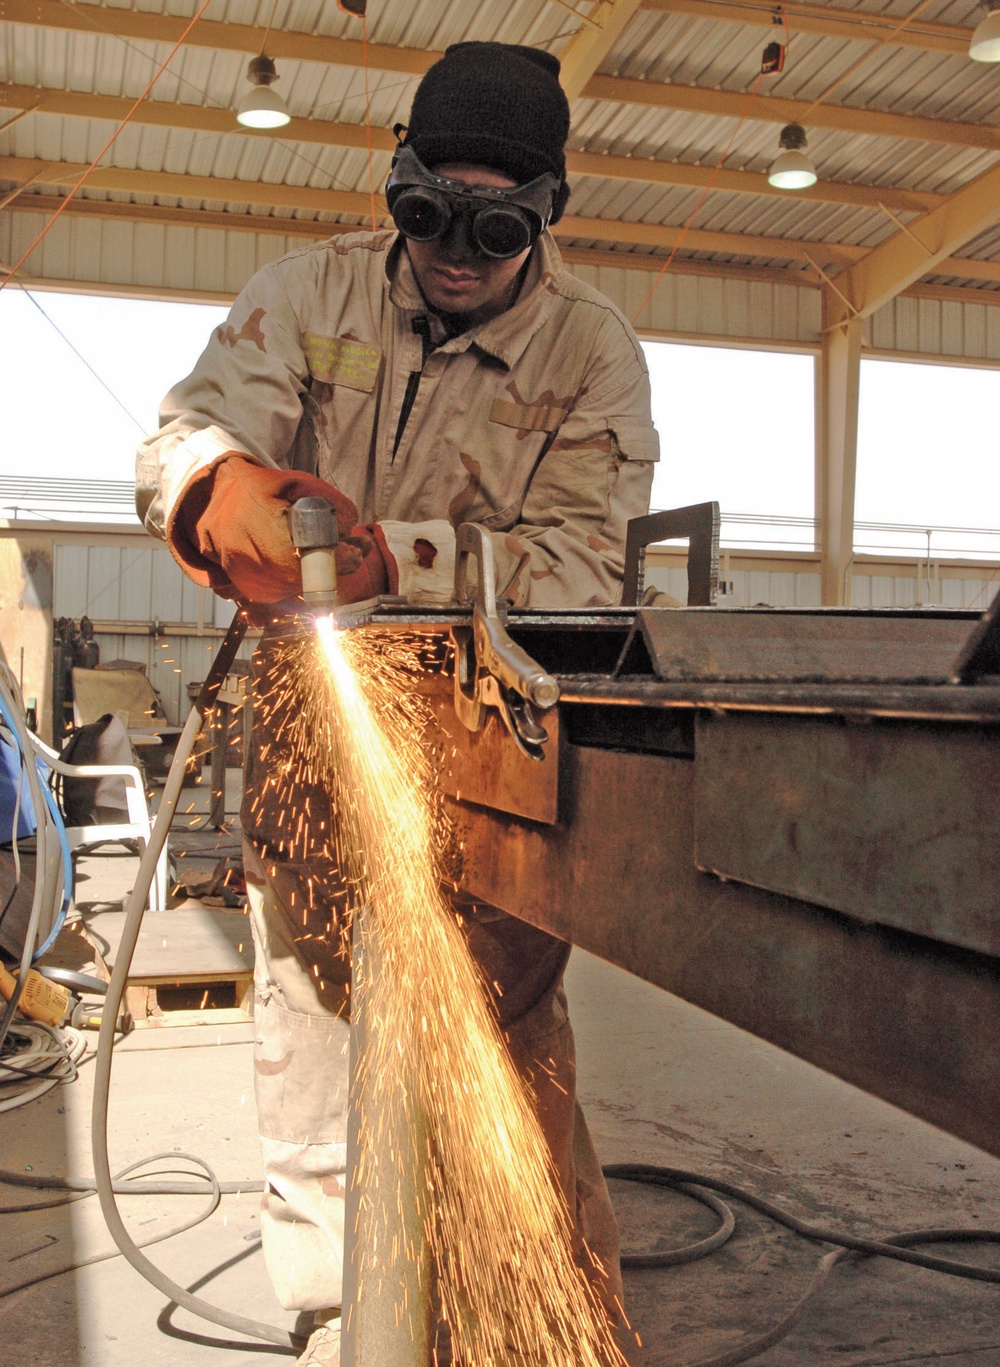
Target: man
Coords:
[(451, 371)]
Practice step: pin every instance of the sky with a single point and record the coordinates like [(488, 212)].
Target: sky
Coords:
[(735, 425)]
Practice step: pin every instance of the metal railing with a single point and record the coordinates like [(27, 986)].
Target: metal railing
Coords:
[(31, 498), (41, 498), (907, 540)]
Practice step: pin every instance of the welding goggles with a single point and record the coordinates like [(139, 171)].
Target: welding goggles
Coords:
[(498, 223)]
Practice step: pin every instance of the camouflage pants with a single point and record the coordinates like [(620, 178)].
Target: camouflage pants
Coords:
[(301, 1078)]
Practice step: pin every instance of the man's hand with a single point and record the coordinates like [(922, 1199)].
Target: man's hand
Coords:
[(230, 531)]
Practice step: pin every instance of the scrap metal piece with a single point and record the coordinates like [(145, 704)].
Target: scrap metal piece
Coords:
[(490, 670), (699, 525), (784, 645)]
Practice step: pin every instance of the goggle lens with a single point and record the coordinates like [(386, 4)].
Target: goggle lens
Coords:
[(421, 215), (502, 232)]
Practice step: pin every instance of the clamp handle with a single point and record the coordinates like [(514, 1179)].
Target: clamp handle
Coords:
[(490, 669)]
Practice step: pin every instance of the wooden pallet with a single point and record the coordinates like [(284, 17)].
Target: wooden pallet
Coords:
[(193, 947)]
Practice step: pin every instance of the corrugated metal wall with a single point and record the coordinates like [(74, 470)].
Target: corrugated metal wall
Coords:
[(698, 305), (894, 591), (937, 327), (211, 260), (745, 588), (138, 586), (153, 255)]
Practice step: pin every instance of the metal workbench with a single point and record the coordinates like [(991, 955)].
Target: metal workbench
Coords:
[(788, 817)]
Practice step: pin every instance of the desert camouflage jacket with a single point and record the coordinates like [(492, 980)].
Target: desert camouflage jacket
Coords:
[(536, 424)]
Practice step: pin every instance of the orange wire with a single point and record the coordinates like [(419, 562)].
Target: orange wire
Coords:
[(368, 121), (93, 165), (704, 195)]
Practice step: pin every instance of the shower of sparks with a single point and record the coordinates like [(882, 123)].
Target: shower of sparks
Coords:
[(495, 1234)]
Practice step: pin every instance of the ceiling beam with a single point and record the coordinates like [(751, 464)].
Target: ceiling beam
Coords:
[(773, 109), (857, 25), (587, 50), (640, 170), (919, 249), (164, 28), (651, 236), (343, 52), (199, 118), (313, 230), (165, 214), (265, 193), (214, 188)]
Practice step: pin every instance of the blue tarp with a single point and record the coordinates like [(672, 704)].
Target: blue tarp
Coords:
[(11, 779)]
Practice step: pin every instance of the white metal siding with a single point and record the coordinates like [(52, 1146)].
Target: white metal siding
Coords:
[(896, 591), (936, 327), (745, 588), (696, 305), (214, 261), (801, 589), (148, 255), (140, 585)]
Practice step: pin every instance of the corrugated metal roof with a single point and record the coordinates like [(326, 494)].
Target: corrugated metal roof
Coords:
[(670, 53)]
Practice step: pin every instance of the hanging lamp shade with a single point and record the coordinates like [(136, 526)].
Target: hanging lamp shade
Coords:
[(262, 107), (985, 44), (792, 169)]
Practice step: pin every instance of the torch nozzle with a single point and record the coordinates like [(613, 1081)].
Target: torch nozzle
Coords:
[(313, 526)]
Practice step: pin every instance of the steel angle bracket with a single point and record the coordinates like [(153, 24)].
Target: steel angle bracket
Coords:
[(490, 670), (980, 656)]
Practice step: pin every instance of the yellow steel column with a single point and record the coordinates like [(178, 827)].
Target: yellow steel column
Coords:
[(838, 384)]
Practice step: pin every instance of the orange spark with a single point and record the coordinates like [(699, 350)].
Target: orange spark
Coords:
[(492, 1220)]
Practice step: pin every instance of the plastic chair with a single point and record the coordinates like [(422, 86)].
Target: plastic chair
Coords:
[(138, 826)]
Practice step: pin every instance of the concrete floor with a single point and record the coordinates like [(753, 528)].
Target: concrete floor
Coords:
[(662, 1083)]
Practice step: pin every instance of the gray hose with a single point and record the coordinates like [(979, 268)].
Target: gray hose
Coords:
[(134, 909)]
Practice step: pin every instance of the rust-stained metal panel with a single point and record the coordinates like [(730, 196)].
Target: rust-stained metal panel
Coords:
[(897, 823), (487, 768), (836, 647), (911, 1021)]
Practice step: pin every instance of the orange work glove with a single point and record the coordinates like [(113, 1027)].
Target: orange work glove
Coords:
[(230, 532), (376, 570)]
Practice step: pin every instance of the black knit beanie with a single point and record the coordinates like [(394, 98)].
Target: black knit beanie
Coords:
[(494, 104)]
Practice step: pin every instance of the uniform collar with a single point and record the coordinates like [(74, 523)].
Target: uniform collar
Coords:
[(504, 337)]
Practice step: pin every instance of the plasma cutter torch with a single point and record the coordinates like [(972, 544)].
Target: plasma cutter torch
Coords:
[(315, 535)]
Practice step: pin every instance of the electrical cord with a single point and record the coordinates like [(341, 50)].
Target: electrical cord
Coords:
[(215, 1195), (696, 1185), (78, 1188), (45, 1060), (897, 1246)]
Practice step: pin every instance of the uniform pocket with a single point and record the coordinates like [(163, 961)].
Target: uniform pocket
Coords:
[(635, 441)]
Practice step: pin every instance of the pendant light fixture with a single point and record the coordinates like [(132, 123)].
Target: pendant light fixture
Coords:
[(792, 168), (261, 107), (985, 44)]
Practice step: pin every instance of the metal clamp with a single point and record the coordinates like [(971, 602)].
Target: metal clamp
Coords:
[(490, 670)]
